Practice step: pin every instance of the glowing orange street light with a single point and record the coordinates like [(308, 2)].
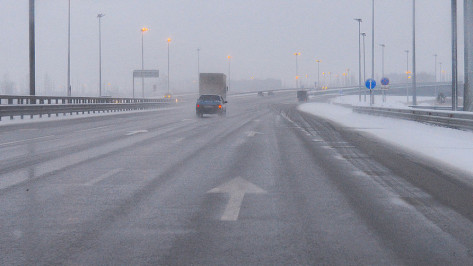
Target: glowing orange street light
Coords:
[(297, 74), (169, 41)]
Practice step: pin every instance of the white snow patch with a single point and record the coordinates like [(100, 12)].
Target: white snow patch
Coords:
[(451, 146)]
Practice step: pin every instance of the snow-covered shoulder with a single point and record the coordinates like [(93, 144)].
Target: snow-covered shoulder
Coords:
[(451, 146)]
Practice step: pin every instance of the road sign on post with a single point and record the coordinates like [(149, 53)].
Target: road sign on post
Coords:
[(384, 87), (144, 74), (385, 81), (370, 84)]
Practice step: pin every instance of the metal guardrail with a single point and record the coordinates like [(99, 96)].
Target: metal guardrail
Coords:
[(459, 120), (21, 106)]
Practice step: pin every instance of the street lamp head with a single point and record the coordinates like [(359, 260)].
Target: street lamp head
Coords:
[(363, 34), (318, 61), (100, 15), (296, 54), (169, 40), (144, 29), (358, 19), (382, 45), (229, 57)]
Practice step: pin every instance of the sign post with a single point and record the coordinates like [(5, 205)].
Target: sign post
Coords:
[(384, 87), (144, 74), (370, 84)]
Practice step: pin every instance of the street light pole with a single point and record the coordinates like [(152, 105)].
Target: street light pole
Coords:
[(435, 75), (359, 57), (318, 72), (32, 49), (407, 73), (99, 16), (454, 57), (198, 67), (372, 42), (229, 65), (169, 41), (143, 30), (364, 60), (69, 93), (440, 71), (414, 75), (297, 73)]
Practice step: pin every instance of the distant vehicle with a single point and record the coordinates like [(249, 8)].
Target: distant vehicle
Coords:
[(270, 93), (302, 96), (213, 84), (260, 93), (210, 104)]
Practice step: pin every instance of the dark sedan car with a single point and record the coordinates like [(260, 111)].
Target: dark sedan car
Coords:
[(210, 104)]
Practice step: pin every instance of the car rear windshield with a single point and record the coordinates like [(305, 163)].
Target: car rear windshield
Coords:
[(209, 98)]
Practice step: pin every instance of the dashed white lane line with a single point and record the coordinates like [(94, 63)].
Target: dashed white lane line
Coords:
[(25, 140), (103, 177), (94, 128), (131, 133)]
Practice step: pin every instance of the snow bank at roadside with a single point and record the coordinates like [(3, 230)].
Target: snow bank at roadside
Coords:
[(451, 146)]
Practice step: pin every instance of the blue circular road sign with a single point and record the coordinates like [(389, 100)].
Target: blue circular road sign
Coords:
[(370, 84), (385, 81)]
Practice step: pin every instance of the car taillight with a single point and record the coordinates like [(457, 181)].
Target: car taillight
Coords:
[(220, 107), (198, 105)]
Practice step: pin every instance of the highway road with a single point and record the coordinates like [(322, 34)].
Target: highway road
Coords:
[(266, 185)]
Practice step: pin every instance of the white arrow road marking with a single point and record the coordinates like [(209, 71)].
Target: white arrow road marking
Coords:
[(237, 188), (131, 133), (253, 133)]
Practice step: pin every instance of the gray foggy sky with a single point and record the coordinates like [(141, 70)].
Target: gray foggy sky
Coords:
[(261, 36)]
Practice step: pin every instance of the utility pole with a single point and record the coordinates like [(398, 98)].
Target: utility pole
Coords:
[(468, 25), (372, 43), (454, 57), (99, 16), (69, 90), (32, 49), (359, 57), (435, 75), (414, 84)]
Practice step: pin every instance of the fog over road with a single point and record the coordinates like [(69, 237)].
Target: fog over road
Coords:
[(264, 185)]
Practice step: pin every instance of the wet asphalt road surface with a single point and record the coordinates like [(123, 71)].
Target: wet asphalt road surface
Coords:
[(266, 185)]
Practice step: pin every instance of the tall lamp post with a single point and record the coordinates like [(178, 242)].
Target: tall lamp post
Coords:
[(297, 73), (414, 75), (99, 16), (435, 74), (229, 69), (32, 50), (364, 60), (372, 42), (407, 74), (454, 57), (359, 56), (169, 41), (69, 93), (198, 66), (440, 71), (143, 30), (318, 72)]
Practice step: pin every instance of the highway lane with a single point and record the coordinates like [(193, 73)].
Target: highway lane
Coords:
[(265, 185)]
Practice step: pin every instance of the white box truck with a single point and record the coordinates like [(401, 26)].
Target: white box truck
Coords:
[(212, 94), (213, 84)]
